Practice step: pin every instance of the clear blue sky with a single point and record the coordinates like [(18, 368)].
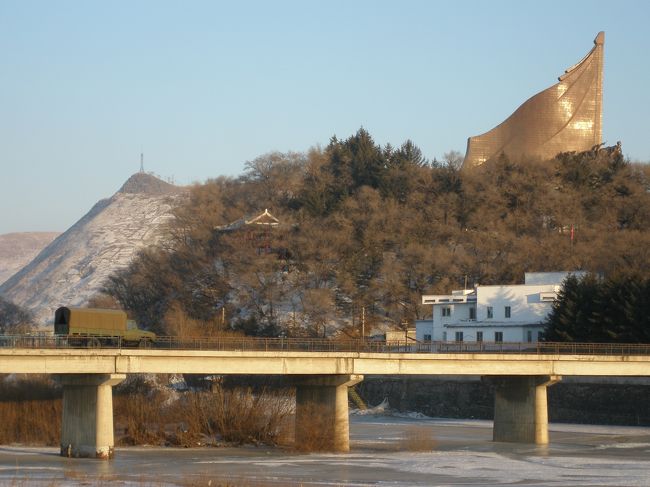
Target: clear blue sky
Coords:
[(202, 87)]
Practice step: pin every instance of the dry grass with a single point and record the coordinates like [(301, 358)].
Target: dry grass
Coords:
[(30, 408), (234, 416), (31, 422), (138, 417), (240, 416), (313, 429), (417, 438), (212, 481), (31, 412)]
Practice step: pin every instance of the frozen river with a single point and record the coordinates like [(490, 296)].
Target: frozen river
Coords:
[(385, 452)]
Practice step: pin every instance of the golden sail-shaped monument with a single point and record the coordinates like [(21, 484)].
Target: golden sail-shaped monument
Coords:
[(565, 117)]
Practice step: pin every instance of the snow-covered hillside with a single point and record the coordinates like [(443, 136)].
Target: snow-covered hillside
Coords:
[(18, 249), (74, 266)]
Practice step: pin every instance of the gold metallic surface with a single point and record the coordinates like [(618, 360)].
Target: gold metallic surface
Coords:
[(565, 117)]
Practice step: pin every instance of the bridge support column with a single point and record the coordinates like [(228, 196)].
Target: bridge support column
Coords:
[(322, 422), (87, 426), (521, 408)]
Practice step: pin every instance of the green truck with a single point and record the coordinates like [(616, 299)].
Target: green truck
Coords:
[(95, 327)]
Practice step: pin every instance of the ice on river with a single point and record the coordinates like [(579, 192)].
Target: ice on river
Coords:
[(460, 453)]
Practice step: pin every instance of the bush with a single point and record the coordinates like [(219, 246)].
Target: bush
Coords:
[(237, 416), (31, 412)]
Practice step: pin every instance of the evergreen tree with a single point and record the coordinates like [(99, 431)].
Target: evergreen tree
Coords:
[(612, 310), (367, 164)]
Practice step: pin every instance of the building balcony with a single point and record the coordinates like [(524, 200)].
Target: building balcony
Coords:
[(448, 299)]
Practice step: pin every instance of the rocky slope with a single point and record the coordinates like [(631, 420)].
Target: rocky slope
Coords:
[(18, 249), (72, 268)]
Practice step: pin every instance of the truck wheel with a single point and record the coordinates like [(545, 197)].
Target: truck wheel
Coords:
[(144, 344), (93, 343)]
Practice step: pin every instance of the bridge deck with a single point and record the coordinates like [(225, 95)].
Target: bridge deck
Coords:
[(127, 361)]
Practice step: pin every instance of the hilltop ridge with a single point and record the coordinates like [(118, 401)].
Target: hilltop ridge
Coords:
[(144, 183)]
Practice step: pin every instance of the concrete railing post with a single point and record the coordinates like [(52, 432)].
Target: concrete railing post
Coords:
[(521, 408), (87, 426), (322, 422)]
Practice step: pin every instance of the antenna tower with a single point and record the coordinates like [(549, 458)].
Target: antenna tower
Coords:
[(141, 162)]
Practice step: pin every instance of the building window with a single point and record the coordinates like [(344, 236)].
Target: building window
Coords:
[(444, 336), (427, 338), (529, 336), (459, 336), (479, 336), (446, 311), (490, 312), (507, 311), (498, 336), (472, 313)]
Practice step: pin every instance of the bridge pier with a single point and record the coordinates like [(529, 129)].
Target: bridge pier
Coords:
[(521, 408), (87, 426), (322, 421)]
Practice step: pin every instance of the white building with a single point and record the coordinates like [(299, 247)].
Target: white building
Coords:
[(511, 313)]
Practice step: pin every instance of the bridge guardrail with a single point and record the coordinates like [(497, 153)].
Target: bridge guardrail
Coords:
[(324, 345)]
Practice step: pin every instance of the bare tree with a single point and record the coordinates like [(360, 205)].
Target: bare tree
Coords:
[(14, 319)]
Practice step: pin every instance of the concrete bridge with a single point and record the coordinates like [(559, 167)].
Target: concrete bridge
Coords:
[(321, 379)]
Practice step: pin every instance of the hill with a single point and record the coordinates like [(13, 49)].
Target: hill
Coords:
[(18, 249), (365, 230), (72, 268)]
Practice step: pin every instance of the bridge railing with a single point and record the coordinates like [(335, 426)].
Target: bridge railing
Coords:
[(211, 343), (323, 345)]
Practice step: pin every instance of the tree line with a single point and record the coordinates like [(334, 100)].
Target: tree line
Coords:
[(366, 230)]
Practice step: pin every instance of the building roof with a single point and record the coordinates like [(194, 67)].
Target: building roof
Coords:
[(535, 278), (456, 297), (263, 219), (532, 279)]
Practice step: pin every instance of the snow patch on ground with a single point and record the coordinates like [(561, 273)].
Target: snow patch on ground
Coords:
[(384, 409), (18, 249), (495, 468)]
